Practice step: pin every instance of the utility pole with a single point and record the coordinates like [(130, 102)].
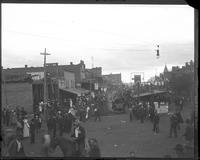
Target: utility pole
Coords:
[(5, 90), (45, 83), (92, 59), (57, 70)]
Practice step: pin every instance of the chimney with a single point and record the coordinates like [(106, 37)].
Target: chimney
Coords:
[(26, 66), (71, 63)]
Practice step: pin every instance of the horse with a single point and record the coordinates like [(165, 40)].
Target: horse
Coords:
[(68, 147)]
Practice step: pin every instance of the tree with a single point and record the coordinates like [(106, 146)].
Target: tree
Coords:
[(182, 83)]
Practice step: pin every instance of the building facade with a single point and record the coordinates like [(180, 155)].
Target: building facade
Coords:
[(93, 73), (53, 69), (69, 78), (114, 79)]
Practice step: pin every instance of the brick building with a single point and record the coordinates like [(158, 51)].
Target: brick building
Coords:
[(53, 69), (93, 72), (187, 68)]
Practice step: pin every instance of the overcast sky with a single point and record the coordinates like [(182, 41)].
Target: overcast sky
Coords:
[(121, 38)]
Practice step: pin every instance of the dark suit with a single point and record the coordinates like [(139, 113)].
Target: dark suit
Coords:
[(54, 126), (32, 131), (156, 123), (80, 140), (4, 116), (7, 117)]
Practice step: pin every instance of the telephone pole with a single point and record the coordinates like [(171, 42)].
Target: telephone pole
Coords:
[(92, 59), (45, 81), (5, 90)]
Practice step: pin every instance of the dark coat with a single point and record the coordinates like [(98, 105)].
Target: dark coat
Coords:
[(188, 133), (50, 123), (7, 114), (173, 120), (18, 113), (156, 119), (54, 123), (32, 128), (179, 117), (4, 112), (81, 135)]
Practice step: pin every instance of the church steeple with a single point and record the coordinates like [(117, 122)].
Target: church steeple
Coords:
[(165, 69)]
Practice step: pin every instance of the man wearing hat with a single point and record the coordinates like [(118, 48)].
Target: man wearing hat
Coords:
[(173, 125), (141, 113), (32, 131), (78, 137), (97, 113)]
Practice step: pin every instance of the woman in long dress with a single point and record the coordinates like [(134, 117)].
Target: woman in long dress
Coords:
[(26, 128)]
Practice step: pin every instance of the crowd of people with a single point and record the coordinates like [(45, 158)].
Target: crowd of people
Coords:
[(146, 110), (59, 119), (62, 120)]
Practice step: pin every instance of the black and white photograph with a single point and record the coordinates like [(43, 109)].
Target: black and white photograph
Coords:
[(98, 80)]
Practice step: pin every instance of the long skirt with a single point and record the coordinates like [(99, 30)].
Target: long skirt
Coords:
[(26, 131)]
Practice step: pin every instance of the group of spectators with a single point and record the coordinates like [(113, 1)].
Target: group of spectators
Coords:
[(145, 111), (18, 120), (61, 120), (11, 115), (66, 120)]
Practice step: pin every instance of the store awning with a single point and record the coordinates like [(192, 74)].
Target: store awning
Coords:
[(76, 91), (150, 93)]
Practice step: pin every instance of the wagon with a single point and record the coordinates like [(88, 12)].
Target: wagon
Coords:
[(118, 106)]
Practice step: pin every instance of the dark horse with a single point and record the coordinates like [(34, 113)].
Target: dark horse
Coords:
[(69, 149), (67, 146)]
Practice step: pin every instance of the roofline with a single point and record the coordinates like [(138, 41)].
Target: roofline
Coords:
[(69, 70)]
